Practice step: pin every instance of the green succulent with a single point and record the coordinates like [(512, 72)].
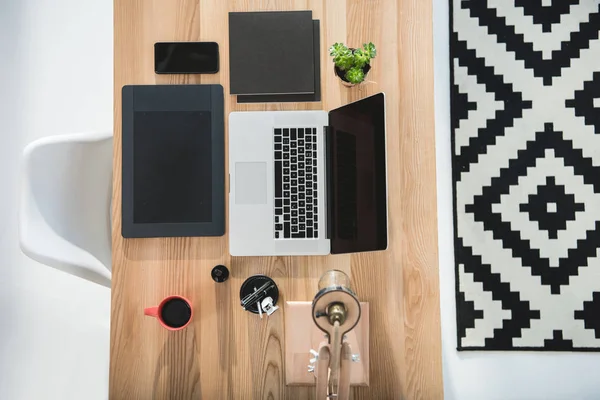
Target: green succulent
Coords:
[(370, 50), (360, 58), (352, 62), (355, 75), (338, 48), (345, 61), (342, 56)]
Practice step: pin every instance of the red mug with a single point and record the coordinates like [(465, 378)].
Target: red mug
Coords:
[(173, 313)]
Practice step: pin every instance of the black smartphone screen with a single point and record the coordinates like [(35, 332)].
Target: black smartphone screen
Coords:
[(186, 58)]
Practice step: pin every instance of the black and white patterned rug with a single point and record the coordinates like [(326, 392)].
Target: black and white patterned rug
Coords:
[(526, 172)]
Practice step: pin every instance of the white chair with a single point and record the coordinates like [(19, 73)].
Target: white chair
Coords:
[(64, 211)]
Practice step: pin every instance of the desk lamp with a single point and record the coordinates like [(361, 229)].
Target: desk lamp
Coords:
[(335, 311)]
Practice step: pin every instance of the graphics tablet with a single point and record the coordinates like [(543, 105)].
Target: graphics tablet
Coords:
[(173, 161)]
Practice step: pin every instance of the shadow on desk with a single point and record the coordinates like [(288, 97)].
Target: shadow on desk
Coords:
[(180, 248)]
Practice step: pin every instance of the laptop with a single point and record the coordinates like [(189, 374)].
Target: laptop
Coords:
[(308, 182)]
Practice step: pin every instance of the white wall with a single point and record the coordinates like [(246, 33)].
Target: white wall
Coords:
[(490, 375), (55, 77)]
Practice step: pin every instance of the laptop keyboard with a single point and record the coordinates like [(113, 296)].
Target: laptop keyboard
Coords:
[(296, 206)]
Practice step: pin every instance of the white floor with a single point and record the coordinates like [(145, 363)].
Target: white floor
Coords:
[(56, 70)]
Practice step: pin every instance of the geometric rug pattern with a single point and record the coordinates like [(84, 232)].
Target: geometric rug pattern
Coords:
[(525, 111)]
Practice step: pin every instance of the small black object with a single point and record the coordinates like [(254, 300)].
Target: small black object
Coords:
[(255, 289), (220, 273), (186, 58)]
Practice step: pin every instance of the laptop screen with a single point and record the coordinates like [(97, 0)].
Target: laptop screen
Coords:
[(357, 195)]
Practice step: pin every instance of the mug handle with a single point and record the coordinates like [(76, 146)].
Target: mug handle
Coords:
[(151, 312)]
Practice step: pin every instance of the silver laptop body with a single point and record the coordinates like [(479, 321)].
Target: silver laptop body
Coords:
[(265, 219)]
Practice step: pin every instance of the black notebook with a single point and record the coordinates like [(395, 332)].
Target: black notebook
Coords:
[(271, 52), (293, 97)]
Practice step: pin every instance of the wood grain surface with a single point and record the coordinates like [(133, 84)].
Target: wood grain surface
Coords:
[(227, 353)]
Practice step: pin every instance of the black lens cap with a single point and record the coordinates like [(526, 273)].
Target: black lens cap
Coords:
[(220, 273)]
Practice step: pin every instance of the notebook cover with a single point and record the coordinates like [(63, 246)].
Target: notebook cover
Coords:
[(271, 52), (284, 98)]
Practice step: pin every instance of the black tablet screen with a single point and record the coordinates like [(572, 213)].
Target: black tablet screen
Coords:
[(172, 167)]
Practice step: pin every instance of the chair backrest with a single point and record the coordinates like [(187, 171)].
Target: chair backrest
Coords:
[(64, 211)]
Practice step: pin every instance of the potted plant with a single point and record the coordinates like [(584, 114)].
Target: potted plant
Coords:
[(352, 65)]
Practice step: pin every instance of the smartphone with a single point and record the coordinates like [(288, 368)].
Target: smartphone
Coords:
[(186, 58)]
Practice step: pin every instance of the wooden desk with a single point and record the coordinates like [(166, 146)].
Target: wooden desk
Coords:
[(228, 353)]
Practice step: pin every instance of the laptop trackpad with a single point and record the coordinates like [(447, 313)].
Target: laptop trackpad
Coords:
[(296, 247), (251, 183)]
